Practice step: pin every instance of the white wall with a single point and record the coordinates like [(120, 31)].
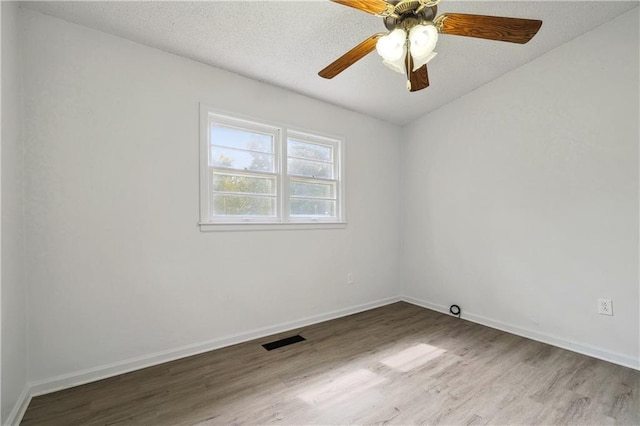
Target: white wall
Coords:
[(13, 287), (118, 267), (520, 199)]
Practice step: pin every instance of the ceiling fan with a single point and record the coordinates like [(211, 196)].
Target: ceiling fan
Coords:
[(413, 33)]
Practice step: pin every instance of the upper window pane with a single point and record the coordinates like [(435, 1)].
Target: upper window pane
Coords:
[(308, 159), (242, 160), (312, 169), (241, 149), (240, 139), (310, 151)]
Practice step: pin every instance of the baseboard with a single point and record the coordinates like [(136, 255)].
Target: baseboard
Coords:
[(117, 368), (20, 407), (585, 349)]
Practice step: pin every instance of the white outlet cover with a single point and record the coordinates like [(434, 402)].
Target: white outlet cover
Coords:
[(605, 307)]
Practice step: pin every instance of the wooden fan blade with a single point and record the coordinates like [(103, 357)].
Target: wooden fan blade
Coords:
[(418, 79), (514, 30), (375, 7), (351, 57)]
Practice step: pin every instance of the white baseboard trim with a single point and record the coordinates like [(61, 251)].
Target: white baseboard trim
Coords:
[(20, 407), (582, 348), (121, 367)]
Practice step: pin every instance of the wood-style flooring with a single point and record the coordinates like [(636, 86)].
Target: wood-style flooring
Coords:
[(399, 364)]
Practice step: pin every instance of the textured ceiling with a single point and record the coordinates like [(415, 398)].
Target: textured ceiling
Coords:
[(286, 43)]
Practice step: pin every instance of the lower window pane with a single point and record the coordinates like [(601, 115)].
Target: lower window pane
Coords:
[(248, 184), (243, 205), (311, 207), (312, 189)]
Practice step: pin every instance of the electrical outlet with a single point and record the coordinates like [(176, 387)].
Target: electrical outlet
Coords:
[(605, 307), (350, 279)]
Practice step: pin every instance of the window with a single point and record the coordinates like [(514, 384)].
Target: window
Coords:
[(261, 174)]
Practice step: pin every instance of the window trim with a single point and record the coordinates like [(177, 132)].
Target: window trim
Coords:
[(282, 221)]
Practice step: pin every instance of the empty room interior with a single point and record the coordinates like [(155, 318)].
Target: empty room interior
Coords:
[(320, 212)]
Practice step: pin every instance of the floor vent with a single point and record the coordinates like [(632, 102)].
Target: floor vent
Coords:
[(283, 342)]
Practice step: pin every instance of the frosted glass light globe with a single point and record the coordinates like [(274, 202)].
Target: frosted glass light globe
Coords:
[(392, 46), (398, 64), (422, 41)]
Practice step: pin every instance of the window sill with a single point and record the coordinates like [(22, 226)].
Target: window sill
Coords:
[(216, 227)]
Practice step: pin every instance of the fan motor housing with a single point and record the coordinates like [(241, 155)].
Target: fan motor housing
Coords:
[(408, 13)]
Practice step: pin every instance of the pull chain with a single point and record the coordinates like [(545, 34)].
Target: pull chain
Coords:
[(408, 68)]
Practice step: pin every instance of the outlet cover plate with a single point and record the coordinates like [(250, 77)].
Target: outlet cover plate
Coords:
[(605, 307)]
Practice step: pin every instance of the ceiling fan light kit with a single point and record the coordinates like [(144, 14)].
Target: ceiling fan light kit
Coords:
[(413, 34), (421, 40)]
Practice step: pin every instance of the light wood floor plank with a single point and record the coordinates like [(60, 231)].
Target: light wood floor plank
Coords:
[(399, 364)]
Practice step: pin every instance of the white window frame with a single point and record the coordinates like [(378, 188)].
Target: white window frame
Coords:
[(337, 173), (281, 134)]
